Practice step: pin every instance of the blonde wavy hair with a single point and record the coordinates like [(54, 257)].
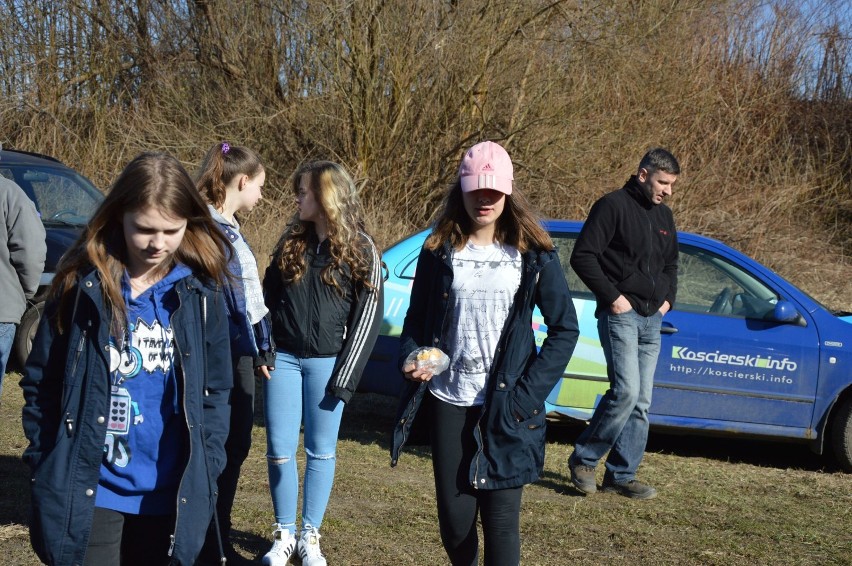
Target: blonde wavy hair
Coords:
[(335, 191)]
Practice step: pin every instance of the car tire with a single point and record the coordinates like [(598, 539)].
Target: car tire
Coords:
[(26, 332), (841, 434)]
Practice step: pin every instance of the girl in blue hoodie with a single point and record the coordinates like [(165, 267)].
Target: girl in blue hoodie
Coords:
[(126, 420)]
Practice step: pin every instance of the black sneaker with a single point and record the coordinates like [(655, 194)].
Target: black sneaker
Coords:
[(583, 478), (633, 489)]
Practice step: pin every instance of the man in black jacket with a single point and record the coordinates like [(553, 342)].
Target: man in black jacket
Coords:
[(627, 255)]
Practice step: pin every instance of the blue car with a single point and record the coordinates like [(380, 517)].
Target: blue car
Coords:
[(744, 352)]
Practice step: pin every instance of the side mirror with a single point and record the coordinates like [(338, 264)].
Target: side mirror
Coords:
[(785, 311)]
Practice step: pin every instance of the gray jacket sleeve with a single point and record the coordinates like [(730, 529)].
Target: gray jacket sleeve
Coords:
[(24, 248)]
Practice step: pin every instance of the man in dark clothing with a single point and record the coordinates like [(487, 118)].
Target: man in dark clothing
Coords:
[(627, 255)]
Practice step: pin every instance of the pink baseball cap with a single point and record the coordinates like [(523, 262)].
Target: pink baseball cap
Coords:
[(486, 166)]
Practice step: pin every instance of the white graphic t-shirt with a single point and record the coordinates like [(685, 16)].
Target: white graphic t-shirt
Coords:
[(485, 280)]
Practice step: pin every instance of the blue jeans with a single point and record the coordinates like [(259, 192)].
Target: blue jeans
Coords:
[(7, 338), (296, 394), (631, 345)]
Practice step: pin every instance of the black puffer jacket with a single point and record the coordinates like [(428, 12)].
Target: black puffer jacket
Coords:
[(311, 319)]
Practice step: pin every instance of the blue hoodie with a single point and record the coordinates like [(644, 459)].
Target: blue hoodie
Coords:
[(145, 451)]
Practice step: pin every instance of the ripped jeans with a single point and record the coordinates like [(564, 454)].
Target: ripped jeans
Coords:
[(296, 394)]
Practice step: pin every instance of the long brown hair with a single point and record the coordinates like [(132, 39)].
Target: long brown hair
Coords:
[(222, 163), (337, 195), (151, 180), (517, 226)]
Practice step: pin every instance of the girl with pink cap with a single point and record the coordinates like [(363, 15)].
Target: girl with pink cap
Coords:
[(484, 268)]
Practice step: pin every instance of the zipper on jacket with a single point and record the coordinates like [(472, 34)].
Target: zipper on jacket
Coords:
[(173, 536), (180, 368), (203, 338), (309, 325), (69, 424), (79, 351), (69, 420), (650, 253), (475, 483)]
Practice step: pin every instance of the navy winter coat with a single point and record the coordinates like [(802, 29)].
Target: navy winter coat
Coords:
[(510, 452), (67, 393)]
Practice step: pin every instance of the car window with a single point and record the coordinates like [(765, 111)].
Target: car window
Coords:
[(405, 268), (564, 247), (708, 283), (60, 195)]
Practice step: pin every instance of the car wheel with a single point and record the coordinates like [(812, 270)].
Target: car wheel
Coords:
[(841, 435), (25, 334)]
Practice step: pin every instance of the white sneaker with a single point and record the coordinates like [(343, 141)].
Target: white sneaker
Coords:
[(309, 548), (284, 542)]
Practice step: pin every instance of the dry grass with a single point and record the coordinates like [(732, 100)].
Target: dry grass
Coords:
[(721, 502)]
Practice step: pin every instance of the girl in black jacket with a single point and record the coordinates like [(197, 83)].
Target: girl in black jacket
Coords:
[(486, 265), (324, 290)]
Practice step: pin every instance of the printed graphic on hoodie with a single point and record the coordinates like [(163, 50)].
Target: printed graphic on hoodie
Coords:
[(147, 353)]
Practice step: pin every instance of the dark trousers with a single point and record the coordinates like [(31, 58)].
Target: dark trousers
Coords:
[(129, 540), (236, 449), (453, 449)]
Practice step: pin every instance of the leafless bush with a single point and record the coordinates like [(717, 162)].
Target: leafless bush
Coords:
[(755, 99)]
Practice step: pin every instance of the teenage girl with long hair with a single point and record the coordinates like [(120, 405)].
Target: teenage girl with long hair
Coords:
[(125, 416), (487, 263), (324, 290), (230, 179)]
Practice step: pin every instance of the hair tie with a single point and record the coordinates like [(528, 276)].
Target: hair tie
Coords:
[(225, 148)]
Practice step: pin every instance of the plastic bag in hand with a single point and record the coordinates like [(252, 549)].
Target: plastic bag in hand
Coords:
[(432, 359)]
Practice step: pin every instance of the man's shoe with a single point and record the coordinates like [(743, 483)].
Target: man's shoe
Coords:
[(633, 489), (309, 548), (284, 543), (583, 478)]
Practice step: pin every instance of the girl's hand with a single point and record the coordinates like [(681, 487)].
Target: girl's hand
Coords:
[(419, 375), (263, 371)]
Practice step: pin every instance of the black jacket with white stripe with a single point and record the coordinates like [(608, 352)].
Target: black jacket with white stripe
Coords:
[(311, 319)]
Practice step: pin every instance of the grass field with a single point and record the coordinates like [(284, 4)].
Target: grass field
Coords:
[(721, 502)]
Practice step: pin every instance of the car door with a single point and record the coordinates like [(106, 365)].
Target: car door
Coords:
[(724, 363)]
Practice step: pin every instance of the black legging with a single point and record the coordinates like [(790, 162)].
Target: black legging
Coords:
[(453, 449), (237, 448), (129, 540)]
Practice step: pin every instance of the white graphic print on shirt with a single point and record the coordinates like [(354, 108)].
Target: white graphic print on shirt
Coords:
[(485, 280)]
